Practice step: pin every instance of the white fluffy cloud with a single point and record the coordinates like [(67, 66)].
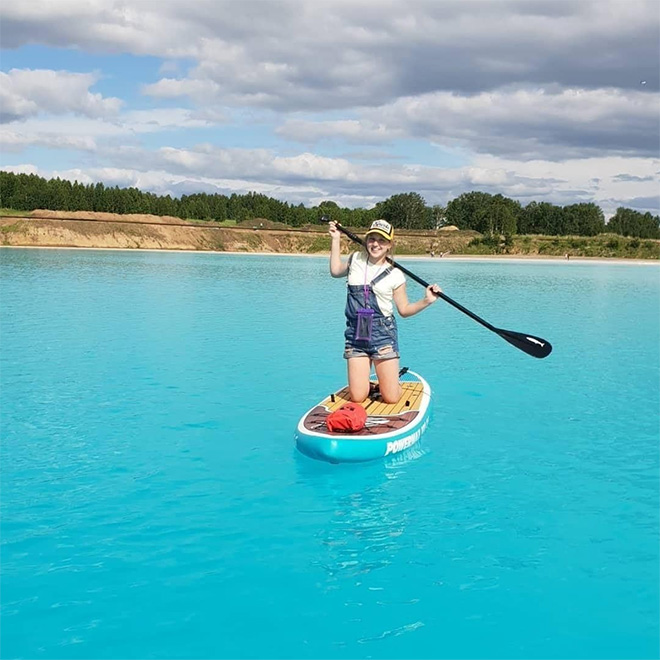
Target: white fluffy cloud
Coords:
[(85, 134), (26, 93), (363, 131), (141, 28), (16, 141)]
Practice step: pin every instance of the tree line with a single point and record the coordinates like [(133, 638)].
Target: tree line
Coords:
[(491, 215)]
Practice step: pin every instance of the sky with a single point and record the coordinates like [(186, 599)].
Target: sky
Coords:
[(539, 100)]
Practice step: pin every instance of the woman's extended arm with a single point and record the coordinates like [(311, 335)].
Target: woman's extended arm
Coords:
[(406, 308), (338, 268)]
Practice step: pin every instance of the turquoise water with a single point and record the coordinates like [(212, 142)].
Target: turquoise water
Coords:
[(154, 505)]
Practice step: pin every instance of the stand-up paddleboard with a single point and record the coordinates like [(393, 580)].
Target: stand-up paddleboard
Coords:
[(389, 429)]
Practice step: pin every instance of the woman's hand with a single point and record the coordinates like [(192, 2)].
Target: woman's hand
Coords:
[(406, 308), (431, 293), (338, 268), (333, 231)]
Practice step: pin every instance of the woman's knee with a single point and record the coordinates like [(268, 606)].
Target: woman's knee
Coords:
[(358, 393), (390, 394)]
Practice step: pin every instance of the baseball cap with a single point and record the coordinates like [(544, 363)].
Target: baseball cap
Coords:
[(383, 228)]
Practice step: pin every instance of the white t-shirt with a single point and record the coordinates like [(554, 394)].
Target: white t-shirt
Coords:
[(384, 288)]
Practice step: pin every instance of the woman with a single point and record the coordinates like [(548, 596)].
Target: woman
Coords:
[(374, 287)]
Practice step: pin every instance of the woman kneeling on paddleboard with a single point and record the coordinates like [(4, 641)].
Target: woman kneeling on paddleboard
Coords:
[(371, 332)]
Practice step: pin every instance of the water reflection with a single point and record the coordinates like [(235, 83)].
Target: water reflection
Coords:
[(367, 519), (366, 546)]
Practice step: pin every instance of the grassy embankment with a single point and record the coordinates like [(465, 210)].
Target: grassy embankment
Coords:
[(471, 243), (603, 245)]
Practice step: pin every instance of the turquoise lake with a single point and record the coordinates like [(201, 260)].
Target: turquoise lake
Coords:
[(154, 505)]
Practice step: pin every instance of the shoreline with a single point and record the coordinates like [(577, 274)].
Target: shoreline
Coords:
[(414, 257)]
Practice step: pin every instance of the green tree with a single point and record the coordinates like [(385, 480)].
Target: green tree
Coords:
[(56, 195), (98, 198), (629, 222), (218, 204), (470, 211), (501, 217), (540, 218), (7, 186), (583, 220), (165, 206), (438, 216), (485, 213), (406, 211), (78, 197)]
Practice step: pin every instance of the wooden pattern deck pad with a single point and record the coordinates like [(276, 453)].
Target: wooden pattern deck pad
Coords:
[(381, 417)]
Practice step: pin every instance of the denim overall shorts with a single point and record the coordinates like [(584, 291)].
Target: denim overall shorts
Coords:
[(384, 342)]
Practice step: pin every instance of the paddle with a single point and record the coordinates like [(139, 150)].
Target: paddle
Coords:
[(534, 346)]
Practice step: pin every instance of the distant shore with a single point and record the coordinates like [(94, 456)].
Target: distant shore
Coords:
[(85, 230), (402, 257)]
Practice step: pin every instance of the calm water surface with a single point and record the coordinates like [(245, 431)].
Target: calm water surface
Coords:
[(154, 506)]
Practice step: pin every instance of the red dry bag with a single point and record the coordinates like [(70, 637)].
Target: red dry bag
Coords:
[(349, 418)]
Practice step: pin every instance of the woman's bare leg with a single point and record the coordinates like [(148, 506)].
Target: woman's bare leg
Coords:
[(388, 379), (358, 378)]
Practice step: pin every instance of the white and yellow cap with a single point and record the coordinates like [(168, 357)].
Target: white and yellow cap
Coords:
[(383, 228)]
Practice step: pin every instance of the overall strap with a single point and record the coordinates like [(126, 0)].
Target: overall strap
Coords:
[(379, 277)]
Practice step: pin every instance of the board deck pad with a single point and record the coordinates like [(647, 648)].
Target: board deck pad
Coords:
[(381, 417)]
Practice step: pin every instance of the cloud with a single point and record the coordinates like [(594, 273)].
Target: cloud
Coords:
[(98, 26), (644, 204), (528, 124), (25, 168), (291, 56), (532, 123), (572, 181), (85, 134), (15, 141), (26, 93), (629, 177), (164, 119), (350, 130)]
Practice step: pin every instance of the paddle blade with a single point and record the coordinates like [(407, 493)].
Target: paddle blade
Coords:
[(534, 346)]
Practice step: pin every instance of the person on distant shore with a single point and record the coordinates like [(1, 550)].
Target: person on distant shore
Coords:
[(374, 287)]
